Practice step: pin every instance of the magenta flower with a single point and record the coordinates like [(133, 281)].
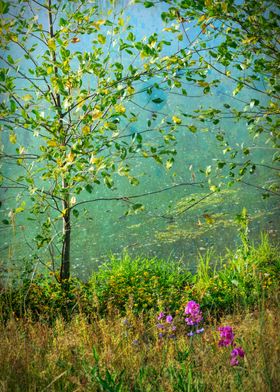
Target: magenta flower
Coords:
[(169, 319), (227, 336), (161, 316), (194, 313), (236, 352), (165, 326)]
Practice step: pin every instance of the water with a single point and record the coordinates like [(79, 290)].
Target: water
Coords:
[(167, 227)]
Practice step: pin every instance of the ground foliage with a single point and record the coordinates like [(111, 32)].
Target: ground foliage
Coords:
[(98, 343), (142, 285)]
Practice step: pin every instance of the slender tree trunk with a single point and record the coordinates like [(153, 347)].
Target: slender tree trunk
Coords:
[(66, 231), (66, 219)]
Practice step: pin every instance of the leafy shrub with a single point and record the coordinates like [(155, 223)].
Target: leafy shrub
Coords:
[(142, 283)]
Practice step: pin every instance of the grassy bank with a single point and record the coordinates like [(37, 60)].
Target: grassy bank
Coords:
[(127, 328)]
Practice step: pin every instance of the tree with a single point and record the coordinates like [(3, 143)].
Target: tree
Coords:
[(77, 101), (74, 101), (235, 42)]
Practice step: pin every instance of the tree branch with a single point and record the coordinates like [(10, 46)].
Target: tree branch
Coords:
[(127, 198)]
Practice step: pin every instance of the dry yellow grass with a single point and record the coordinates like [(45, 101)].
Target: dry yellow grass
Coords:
[(38, 357)]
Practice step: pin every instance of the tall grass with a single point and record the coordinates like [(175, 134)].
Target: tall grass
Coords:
[(102, 335), (112, 355)]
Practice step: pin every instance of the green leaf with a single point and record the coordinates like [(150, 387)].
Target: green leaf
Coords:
[(137, 207), (148, 4), (13, 106), (88, 188), (131, 37), (52, 44), (75, 213), (157, 100), (220, 137), (101, 39), (4, 7), (176, 120), (62, 22), (10, 59), (13, 138), (169, 163), (27, 97), (108, 181), (133, 181), (192, 128), (221, 164)]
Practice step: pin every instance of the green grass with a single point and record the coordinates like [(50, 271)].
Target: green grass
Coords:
[(102, 335), (142, 285)]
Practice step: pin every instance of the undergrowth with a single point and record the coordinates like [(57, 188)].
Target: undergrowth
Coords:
[(239, 279), (126, 328)]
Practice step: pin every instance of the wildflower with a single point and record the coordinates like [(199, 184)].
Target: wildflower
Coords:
[(166, 326), (125, 322), (194, 313), (135, 342), (169, 319), (161, 316), (190, 333), (236, 352), (200, 330), (227, 336)]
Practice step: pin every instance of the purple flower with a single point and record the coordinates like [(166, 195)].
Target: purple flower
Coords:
[(125, 322), (173, 328), (160, 326), (200, 330), (236, 352), (135, 342), (190, 333), (161, 316), (194, 313), (234, 361), (227, 336), (160, 335), (191, 305), (169, 319)]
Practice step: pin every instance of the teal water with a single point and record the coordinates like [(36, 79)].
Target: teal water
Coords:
[(166, 227)]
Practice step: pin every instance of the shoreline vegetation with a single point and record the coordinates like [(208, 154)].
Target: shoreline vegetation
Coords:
[(147, 325)]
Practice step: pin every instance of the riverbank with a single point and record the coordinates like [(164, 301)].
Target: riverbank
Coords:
[(147, 325)]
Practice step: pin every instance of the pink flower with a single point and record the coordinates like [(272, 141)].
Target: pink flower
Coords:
[(227, 336), (194, 313), (161, 316), (169, 319), (236, 352)]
